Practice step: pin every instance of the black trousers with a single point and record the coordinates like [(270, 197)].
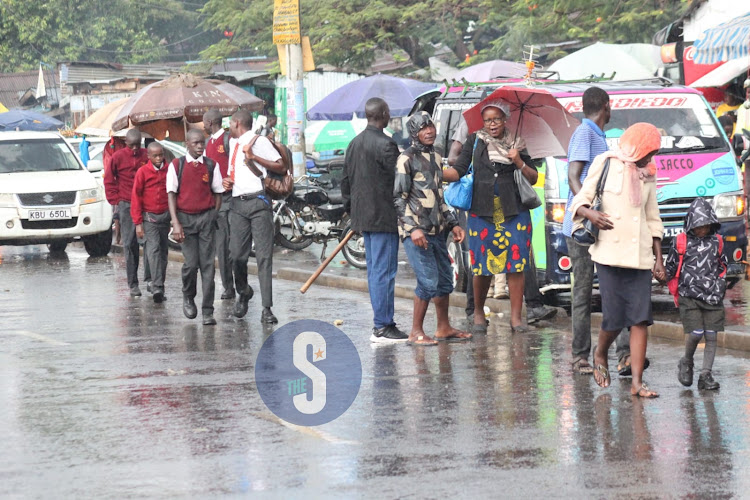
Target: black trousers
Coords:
[(199, 250)]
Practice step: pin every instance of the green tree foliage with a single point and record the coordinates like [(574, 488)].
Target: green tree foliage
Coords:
[(124, 31)]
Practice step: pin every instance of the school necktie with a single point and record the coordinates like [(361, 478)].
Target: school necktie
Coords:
[(234, 157)]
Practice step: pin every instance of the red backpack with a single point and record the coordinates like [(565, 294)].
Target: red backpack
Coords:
[(673, 284)]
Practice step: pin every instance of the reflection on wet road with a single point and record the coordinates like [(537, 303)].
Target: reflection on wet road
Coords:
[(106, 396)]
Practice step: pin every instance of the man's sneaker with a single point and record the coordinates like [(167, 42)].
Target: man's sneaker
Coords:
[(685, 371), (388, 335), (540, 313), (706, 382)]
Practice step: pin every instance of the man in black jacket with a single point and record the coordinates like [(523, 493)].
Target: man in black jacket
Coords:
[(367, 188)]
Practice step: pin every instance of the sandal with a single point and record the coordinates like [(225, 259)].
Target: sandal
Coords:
[(603, 373), (582, 367), (644, 392), (624, 369), (422, 340), (456, 336)]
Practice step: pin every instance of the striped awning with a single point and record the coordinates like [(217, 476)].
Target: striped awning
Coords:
[(727, 41)]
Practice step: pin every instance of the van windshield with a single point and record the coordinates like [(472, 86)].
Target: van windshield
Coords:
[(684, 120), (36, 155)]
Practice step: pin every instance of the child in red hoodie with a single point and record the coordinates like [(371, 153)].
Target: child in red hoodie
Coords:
[(149, 208)]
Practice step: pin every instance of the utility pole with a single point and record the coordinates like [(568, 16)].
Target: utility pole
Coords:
[(286, 31)]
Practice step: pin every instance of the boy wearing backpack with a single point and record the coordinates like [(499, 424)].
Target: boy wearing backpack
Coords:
[(696, 273), (194, 187)]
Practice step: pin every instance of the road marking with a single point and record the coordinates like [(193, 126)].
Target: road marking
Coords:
[(308, 431), (37, 336)]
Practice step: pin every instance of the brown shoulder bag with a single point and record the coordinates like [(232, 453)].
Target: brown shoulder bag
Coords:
[(277, 186)]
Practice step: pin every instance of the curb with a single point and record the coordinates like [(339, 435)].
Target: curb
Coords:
[(663, 329)]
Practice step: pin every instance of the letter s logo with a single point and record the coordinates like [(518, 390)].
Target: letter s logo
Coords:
[(316, 376)]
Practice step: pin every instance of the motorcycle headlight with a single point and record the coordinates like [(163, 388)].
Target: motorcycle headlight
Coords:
[(88, 196), (7, 200), (728, 205)]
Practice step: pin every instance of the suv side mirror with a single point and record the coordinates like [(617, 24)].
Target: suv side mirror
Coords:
[(95, 166)]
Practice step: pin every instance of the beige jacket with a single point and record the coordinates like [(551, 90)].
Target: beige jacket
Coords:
[(630, 243)]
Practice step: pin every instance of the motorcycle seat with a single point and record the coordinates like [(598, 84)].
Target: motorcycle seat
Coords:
[(335, 196)]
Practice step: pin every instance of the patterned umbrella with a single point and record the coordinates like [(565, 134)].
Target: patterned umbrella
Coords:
[(183, 97), (492, 70)]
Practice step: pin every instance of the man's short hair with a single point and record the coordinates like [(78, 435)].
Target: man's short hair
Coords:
[(244, 118), (133, 135), (594, 100), (212, 115), (375, 108), (195, 134), (154, 146)]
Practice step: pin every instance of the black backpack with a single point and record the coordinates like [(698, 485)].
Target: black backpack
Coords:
[(210, 165)]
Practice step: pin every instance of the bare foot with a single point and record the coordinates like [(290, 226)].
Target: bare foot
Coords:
[(643, 392)]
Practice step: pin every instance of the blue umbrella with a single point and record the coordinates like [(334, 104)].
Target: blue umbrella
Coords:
[(350, 99), (28, 120)]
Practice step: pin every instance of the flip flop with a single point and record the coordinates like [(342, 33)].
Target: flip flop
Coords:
[(455, 338), (649, 394), (604, 372), (422, 340), (625, 370)]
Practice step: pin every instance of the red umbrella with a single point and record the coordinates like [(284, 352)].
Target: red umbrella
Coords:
[(535, 115), (183, 97)]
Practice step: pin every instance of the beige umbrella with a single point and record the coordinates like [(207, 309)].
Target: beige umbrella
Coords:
[(180, 99), (99, 124)]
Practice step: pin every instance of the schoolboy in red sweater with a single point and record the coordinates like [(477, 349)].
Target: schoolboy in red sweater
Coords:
[(149, 208), (194, 202)]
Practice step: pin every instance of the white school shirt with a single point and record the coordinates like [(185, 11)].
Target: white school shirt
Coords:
[(246, 182), (172, 182)]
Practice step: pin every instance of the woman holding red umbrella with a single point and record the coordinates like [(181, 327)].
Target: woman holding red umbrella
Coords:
[(499, 226)]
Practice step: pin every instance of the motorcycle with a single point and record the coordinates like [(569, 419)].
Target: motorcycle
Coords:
[(315, 214)]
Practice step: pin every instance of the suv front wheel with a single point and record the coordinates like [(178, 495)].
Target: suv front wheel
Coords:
[(98, 245)]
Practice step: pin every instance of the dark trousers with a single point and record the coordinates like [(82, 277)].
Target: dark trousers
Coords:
[(531, 293), (156, 248), (462, 219), (252, 220), (381, 254), (583, 283), (129, 243), (199, 250), (222, 244)]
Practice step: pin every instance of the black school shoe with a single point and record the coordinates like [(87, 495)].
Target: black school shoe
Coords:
[(188, 308), (685, 372), (388, 335), (267, 317), (706, 382), (541, 313), (240, 307)]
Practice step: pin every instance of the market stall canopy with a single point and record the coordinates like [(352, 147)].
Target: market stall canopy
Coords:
[(18, 119), (633, 61), (724, 42), (100, 122), (350, 99), (183, 97), (332, 135), (492, 70), (723, 74)]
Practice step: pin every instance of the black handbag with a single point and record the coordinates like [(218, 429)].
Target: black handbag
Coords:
[(587, 234)]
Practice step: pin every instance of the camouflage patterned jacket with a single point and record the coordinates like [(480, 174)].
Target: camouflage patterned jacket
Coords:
[(418, 194)]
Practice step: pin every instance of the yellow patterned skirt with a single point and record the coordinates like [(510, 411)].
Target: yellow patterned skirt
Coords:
[(501, 246)]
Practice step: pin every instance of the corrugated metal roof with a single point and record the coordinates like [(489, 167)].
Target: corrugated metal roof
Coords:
[(319, 85), (81, 72), (15, 85)]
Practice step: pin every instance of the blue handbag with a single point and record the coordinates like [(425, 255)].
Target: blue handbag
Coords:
[(458, 194)]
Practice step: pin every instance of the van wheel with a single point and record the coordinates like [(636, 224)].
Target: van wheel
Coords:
[(98, 245), (57, 246)]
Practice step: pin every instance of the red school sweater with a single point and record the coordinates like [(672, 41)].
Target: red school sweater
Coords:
[(119, 177), (215, 150), (149, 192), (195, 194)]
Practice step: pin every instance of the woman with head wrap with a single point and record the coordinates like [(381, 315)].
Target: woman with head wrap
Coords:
[(628, 248), (499, 225), (423, 220)]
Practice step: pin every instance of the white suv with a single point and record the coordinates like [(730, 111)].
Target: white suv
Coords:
[(48, 196)]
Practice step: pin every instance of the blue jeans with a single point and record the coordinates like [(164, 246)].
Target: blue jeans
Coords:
[(432, 267), (381, 253)]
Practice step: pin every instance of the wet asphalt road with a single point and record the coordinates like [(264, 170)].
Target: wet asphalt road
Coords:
[(110, 397)]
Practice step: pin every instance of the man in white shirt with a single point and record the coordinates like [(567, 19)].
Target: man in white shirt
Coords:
[(250, 216), (194, 187)]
